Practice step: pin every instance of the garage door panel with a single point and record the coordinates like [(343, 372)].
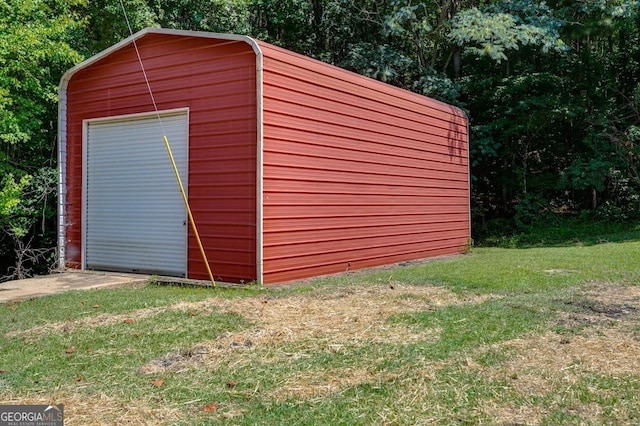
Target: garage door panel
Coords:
[(135, 217)]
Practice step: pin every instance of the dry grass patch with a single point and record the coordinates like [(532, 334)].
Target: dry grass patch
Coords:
[(552, 364), (550, 367), (608, 345), (291, 328), (511, 414), (298, 326), (86, 322), (611, 352), (331, 308), (321, 383), (94, 410)]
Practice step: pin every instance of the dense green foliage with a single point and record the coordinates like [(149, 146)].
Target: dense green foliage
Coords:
[(552, 90), (35, 50)]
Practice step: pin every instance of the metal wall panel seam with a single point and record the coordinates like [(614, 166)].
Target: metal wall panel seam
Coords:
[(349, 238), (321, 128), (355, 152), (291, 270), (350, 77), (326, 117), (322, 256), (392, 118), (311, 161)]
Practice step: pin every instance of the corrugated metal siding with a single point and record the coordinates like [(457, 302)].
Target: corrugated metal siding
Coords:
[(216, 80), (356, 173), (136, 220)]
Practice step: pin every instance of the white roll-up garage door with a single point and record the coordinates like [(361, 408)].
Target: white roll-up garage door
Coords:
[(135, 219)]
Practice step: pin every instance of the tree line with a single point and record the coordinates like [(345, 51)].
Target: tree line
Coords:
[(552, 90)]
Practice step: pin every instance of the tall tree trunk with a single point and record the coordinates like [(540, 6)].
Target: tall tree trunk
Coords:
[(457, 62), (318, 11)]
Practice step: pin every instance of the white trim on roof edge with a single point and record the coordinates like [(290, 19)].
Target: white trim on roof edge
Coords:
[(62, 130), (67, 75)]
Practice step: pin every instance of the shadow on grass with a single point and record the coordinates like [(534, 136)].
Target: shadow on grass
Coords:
[(568, 233)]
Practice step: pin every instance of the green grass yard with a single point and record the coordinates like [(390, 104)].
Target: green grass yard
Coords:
[(543, 335)]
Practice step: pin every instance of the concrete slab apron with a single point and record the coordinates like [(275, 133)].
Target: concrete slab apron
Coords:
[(57, 283)]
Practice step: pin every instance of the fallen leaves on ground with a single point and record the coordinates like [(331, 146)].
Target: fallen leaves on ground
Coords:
[(209, 408)]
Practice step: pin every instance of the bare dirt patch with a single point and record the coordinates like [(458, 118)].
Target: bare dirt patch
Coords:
[(601, 304)]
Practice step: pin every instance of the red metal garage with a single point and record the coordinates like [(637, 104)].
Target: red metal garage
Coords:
[(294, 168)]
